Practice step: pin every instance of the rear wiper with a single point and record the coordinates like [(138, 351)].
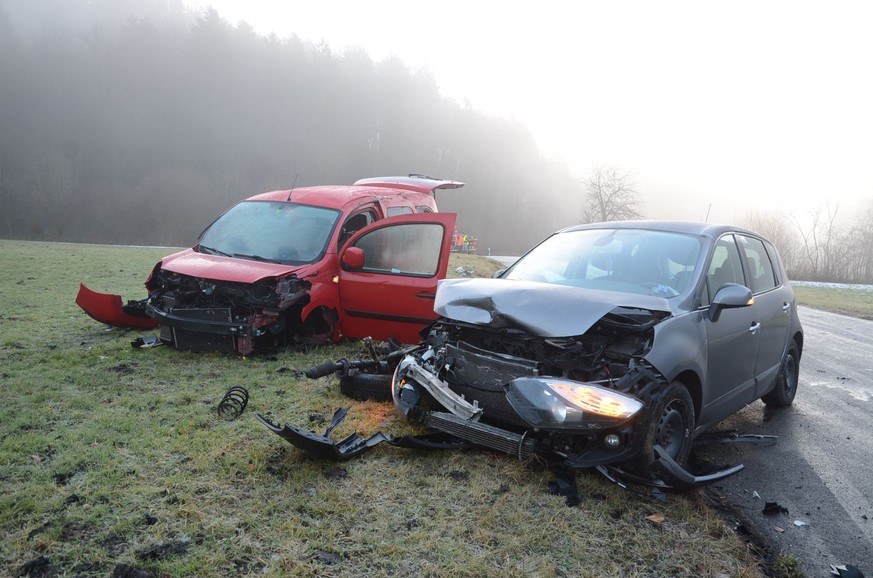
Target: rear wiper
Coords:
[(254, 258), (212, 251)]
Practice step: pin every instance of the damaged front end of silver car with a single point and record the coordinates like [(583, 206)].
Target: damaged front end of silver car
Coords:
[(506, 368), (568, 423)]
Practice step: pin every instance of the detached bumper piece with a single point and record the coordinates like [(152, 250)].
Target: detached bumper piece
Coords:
[(673, 475), (107, 308), (322, 446)]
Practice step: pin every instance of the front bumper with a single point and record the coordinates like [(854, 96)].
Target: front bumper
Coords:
[(107, 308), (212, 320)]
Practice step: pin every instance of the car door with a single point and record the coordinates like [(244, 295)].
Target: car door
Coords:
[(732, 339), (773, 309), (388, 276)]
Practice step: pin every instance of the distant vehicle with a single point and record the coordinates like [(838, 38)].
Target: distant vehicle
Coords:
[(299, 266), (606, 345)]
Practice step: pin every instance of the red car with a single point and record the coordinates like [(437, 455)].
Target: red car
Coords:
[(306, 265)]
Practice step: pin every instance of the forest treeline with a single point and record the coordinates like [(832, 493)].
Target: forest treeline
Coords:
[(145, 131)]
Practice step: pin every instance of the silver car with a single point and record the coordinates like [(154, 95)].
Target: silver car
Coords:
[(609, 345)]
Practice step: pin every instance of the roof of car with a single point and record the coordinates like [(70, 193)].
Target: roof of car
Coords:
[(329, 196), (687, 227), (338, 196)]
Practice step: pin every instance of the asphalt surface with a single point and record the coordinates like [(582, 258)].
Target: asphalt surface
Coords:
[(821, 468)]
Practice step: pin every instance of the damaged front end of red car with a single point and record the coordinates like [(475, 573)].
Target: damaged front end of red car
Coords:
[(197, 314)]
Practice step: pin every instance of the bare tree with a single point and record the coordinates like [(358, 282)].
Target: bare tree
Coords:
[(779, 230), (859, 241), (611, 195), (822, 245)]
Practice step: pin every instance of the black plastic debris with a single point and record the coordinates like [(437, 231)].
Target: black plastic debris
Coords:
[(846, 571), (233, 403), (773, 508), (564, 485), (321, 445)]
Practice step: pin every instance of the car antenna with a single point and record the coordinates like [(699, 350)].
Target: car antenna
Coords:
[(292, 187)]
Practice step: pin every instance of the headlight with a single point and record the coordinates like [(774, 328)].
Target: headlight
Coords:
[(559, 403)]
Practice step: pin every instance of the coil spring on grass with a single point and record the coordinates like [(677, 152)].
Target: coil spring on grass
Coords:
[(233, 403)]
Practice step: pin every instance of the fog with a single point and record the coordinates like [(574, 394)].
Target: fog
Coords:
[(139, 121), (144, 129)]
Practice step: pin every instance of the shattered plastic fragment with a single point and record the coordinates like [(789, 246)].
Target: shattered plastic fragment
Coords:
[(148, 341), (846, 571), (772, 508), (800, 523), (564, 484)]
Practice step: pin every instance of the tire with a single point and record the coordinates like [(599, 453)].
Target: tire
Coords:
[(786, 382), (670, 424), (365, 386)]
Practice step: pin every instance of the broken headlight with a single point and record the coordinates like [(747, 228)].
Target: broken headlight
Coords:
[(559, 403)]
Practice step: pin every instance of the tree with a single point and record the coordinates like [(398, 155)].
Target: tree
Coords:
[(779, 230), (611, 196)]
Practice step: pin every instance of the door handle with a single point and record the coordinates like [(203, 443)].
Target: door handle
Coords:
[(786, 307), (754, 327), (426, 295)]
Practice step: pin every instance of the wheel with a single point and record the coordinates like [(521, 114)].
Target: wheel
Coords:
[(786, 382), (364, 386), (671, 425)]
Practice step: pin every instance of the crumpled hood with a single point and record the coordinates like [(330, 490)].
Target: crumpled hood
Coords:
[(541, 309), (217, 268)]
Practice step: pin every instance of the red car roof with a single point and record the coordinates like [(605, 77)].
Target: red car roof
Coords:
[(329, 196)]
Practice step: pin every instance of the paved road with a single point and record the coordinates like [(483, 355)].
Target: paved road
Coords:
[(821, 469)]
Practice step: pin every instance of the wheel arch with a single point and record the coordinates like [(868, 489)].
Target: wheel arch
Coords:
[(798, 341), (692, 383)]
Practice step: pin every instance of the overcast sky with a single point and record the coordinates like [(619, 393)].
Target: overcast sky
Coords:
[(715, 107)]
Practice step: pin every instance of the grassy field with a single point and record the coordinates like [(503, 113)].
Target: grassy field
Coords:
[(845, 300), (113, 459)]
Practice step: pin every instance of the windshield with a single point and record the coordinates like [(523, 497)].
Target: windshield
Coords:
[(270, 231), (628, 260)]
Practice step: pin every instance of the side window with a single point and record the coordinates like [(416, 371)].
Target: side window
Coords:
[(724, 268), (394, 211), (758, 265), (409, 249), (354, 224)]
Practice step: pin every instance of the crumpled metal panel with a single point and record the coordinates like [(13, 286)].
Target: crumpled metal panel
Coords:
[(539, 308)]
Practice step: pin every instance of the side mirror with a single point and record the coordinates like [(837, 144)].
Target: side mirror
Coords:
[(353, 258), (730, 296)]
